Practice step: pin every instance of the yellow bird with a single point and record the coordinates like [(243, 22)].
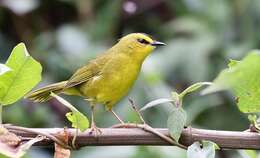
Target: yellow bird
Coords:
[(107, 78)]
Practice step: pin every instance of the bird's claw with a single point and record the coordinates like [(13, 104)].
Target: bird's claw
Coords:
[(95, 130)]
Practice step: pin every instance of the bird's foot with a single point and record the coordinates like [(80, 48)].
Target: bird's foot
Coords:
[(95, 130)]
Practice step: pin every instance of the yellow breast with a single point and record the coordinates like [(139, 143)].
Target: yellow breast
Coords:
[(113, 82)]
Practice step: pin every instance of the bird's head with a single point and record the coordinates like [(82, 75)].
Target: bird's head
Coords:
[(138, 45)]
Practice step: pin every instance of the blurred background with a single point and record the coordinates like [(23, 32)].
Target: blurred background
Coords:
[(201, 36)]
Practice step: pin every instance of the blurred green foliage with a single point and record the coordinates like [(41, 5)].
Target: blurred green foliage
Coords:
[(201, 36), (242, 77)]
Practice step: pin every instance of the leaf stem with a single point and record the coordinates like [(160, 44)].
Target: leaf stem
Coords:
[(74, 139)]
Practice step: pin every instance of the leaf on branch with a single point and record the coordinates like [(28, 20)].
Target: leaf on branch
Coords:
[(243, 79), (11, 146), (61, 152), (255, 122), (206, 149), (176, 99), (176, 122), (156, 102), (24, 75), (193, 88), (252, 118), (77, 119)]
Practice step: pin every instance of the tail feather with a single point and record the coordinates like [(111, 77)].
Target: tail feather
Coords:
[(43, 94)]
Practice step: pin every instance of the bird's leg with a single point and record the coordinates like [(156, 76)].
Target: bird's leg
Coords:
[(117, 117), (94, 128)]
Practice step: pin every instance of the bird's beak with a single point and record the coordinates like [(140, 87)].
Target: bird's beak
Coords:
[(157, 43)]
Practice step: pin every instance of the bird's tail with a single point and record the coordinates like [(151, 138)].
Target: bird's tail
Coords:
[(43, 94)]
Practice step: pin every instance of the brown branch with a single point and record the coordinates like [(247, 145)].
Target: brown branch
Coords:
[(136, 136), (149, 129)]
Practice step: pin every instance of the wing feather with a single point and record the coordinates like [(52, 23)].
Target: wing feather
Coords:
[(85, 73)]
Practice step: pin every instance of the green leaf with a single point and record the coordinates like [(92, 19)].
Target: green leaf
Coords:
[(4, 69), (248, 153), (254, 121), (232, 63), (176, 122), (176, 99), (24, 75), (193, 88), (252, 118), (156, 102), (77, 119), (204, 150), (244, 81)]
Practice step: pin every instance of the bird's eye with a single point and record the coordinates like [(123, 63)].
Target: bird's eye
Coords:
[(143, 41)]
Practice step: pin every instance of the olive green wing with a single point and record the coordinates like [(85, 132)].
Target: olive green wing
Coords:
[(85, 73)]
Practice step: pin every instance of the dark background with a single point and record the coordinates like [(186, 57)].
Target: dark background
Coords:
[(201, 36)]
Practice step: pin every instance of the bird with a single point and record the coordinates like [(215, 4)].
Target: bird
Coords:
[(107, 78)]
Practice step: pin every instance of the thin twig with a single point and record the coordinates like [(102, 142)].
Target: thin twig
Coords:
[(136, 110)]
